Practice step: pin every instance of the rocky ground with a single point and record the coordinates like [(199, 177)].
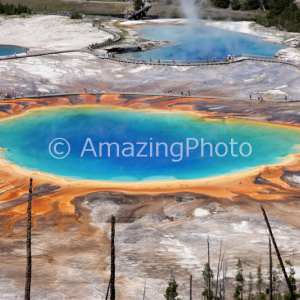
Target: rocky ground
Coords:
[(73, 72), (45, 33)]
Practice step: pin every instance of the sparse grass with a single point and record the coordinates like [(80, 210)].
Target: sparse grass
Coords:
[(117, 9)]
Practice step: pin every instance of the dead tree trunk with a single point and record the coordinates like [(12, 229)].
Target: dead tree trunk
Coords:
[(223, 282), (112, 271), (218, 271), (145, 289), (191, 287), (278, 254), (28, 245), (208, 260), (108, 287), (270, 269)]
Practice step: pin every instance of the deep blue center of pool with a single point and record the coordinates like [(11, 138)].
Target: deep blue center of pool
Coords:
[(27, 139), (11, 50), (202, 42)]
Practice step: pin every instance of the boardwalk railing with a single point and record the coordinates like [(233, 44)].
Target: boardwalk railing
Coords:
[(226, 61), (136, 15), (116, 38), (267, 59), (162, 61)]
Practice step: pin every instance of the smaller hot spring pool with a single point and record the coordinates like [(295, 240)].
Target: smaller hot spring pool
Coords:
[(10, 50), (201, 43)]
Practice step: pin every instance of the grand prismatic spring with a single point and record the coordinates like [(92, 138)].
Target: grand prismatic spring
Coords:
[(141, 145)]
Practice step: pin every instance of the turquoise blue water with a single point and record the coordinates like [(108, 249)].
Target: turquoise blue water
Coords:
[(27, 140), (10, 50), (202, 42)]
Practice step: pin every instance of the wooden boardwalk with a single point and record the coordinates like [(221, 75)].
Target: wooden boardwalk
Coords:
[(197, 63), (137, 15), (170, 97), (192, 63)]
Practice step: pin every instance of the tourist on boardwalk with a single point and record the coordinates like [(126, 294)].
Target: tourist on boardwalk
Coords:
[(189, 93), (181, 92)]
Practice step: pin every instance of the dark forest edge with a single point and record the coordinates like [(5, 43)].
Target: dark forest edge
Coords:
[(11, 9), (283, 14)]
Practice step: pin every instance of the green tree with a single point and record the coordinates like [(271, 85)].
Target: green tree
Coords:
[(277, 280), (10, 9), (292, 280), (208, 276), (171, 291), (76, 16), (259, 281), (250, 5), (137, 4), (235, 4), (239, 278), (221, 3), (250, 287), (284, 14)]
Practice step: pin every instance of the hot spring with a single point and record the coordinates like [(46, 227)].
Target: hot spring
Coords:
[(114, 144), (201, 43), (11, 50)]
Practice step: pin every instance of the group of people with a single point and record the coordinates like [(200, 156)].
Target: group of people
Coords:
[(230, 58), (186, 93), (12, 95), (98, 45), (261, 98), (26, 53), (97, 23), (130, 13)]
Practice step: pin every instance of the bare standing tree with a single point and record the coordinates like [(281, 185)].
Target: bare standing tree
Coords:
[(270, 270), (191, 287), (278, 254), (113, 269), (28, 245), (111, 283), (224, 280), (145, 289), (220, 265), (209, 277)]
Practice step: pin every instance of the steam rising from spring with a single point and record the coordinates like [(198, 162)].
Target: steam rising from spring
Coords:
[(190, 11)]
